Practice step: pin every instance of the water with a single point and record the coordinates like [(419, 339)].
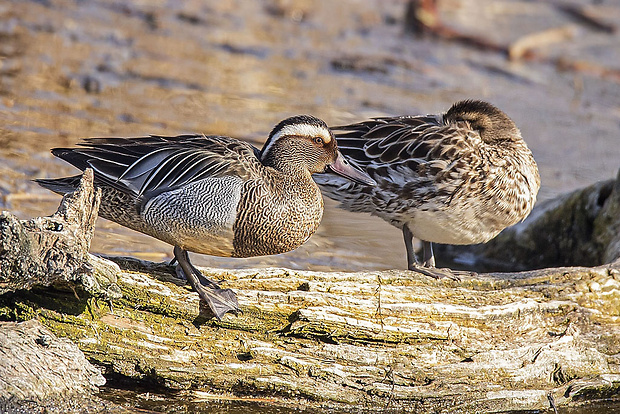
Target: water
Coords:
[(72, 69), (204, 403)]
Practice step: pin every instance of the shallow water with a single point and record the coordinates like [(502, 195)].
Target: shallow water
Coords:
[(205, 403), (78, 69)]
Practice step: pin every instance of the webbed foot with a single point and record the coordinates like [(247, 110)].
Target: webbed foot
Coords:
[(440, 273), (220, 301)]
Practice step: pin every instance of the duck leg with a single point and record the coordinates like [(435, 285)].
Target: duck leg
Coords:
[(429, 257), (412, 260), (220, 300), (428, 267)]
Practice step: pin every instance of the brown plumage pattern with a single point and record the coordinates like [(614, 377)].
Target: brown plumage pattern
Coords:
[(459, 177), (211, 194)]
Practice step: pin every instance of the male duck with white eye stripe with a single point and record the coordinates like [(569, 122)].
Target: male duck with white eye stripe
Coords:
[(459, 177), (213, 195)]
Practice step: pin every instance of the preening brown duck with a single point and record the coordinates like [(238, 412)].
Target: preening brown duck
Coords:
[(458, 177)]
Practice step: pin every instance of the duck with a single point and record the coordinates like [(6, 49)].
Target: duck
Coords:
[(458, 177), (212, 194)]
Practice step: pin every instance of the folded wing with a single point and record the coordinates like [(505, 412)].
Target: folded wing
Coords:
[(151, 165)]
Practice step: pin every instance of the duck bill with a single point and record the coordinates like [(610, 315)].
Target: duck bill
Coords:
[(342, 167)]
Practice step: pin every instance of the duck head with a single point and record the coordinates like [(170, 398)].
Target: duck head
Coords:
[(491, 123), (306, 142)]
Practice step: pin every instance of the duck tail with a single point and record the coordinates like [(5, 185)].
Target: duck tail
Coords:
[(60, 186)]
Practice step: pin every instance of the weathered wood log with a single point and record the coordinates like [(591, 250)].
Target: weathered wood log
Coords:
[(40, 369), (376, 339), (373, 340), (51, 250)]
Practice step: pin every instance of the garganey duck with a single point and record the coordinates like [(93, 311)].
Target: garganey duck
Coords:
[(459, 177), (213, 195)]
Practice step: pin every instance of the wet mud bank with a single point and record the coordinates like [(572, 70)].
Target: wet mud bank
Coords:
[(326, 325), (71, 69)]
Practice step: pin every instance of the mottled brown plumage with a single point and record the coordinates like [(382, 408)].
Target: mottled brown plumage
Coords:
[(455, 178), (211, 194)]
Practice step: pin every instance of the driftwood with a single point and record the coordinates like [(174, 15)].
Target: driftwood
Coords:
[(38, 368), (54, 250), (368, 340)]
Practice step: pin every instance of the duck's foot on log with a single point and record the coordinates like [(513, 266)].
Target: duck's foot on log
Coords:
[(220, 301), (440, 273)]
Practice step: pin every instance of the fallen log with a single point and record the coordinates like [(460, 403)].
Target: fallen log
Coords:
[(366, 340), (53, 250), (39, 369)]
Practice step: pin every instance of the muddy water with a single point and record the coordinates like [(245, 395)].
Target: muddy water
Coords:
[(183, 403), (72, 69)]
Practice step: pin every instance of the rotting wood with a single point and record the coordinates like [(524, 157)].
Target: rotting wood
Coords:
[(492, 342), (40, 372), (36, 364), (369, 340), (527, 44), (50, 250)]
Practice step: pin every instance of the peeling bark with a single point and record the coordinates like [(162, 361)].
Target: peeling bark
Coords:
[(50, 250), (369, 340), (29, 350)]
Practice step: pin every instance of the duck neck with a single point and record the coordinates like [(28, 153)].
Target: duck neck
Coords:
[(290, 166), (292, 171)]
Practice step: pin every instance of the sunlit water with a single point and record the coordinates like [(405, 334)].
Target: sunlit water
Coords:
[(102, 69), (204, 403)]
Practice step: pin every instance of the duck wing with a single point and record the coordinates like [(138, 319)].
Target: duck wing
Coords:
[(389, 140), (416, 158), (405, 142), (147, 166)]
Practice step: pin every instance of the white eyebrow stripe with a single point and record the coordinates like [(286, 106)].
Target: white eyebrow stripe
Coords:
[(304, 130)]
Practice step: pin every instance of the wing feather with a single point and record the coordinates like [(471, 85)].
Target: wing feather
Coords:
[(149, 165), (411, 157)]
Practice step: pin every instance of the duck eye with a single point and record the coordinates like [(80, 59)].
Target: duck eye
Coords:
[(318, 140)]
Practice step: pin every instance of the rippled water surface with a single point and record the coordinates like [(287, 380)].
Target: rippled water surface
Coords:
[(203, 403), (80, 69), (74, 69)]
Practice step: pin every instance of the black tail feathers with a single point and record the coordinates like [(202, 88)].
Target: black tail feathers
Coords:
[(60, 186)]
